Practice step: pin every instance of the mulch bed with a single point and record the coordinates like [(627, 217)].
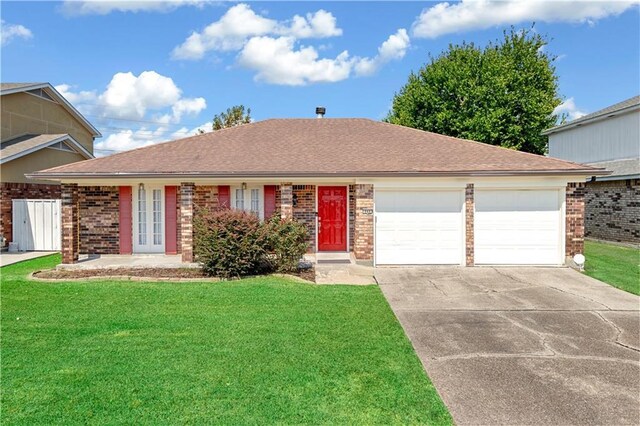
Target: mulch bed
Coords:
[(178, 273)]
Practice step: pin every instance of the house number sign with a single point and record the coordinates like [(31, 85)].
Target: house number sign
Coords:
[(366, 211)]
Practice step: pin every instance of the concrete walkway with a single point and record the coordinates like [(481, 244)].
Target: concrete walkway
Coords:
[(7, 258), (522, 345), (119, 261)]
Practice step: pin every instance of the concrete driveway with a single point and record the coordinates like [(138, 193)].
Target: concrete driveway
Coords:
[(522, 345)]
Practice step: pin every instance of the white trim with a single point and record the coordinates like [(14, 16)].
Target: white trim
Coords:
[(318, 215), (61, 99), (79, 149)]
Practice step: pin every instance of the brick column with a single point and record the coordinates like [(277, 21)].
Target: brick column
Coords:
[(286, 200), (469, 204), (363, 233), (70, 223), (574, 227), (187, 190)]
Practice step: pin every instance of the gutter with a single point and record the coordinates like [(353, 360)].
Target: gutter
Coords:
[(576, 172)]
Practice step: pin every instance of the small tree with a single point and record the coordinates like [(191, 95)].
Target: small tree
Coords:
[(234, 116), (503, 94)]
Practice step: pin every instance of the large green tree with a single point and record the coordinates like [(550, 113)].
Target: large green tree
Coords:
[(234, 116), (503, 94)]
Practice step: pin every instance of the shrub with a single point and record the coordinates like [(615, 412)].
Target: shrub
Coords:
[(287, 243), (232, 243), (229, 243)]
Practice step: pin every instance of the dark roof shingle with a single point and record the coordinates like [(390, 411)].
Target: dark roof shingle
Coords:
[(298, 147)]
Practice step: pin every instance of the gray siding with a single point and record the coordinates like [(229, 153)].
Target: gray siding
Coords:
[(613, 138)]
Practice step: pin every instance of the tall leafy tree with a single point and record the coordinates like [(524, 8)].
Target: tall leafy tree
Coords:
[(234, 116), (503, 94)]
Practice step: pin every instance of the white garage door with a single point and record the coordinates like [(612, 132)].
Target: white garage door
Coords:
[(518, 227), (36, 224), (416, 227)]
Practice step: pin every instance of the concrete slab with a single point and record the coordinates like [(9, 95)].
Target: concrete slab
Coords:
[(344, 274), (522, 345), (7, 258)]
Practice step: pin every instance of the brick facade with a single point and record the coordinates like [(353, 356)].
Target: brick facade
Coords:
[(469, 210), (612, 210), (352, 216), (187, 190), (206, 197), (574, 227), (10, 191), (304, 210), (286, 200), (363, 233), (99, 210), (70, 226)]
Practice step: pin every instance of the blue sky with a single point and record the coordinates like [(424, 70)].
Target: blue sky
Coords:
[(146, 72)]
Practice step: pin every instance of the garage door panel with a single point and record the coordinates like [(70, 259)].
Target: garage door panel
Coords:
[(517, 227), (418, 227)]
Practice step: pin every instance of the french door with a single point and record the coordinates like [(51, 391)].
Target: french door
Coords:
[(148, 223)]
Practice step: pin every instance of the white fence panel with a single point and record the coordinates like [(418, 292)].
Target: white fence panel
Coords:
[(37, 225)]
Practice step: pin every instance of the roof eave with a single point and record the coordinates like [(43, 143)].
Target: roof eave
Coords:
[(570, 172), (578, 122), (79, 149)]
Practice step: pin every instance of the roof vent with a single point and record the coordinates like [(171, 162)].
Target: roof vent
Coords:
[(320, 111)]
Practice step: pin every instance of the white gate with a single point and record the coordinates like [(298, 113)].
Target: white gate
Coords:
[(37, 224)]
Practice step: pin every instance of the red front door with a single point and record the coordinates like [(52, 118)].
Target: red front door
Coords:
[(332, 218)]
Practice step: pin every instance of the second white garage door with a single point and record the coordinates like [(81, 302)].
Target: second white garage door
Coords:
[(419, 227), (518, 227)]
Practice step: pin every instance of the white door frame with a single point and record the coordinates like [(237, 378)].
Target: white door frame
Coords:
[(149, 247)]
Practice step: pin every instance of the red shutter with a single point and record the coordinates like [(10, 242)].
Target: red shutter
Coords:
[(170, 220), (224, 197), (125, 226), (269, 200)]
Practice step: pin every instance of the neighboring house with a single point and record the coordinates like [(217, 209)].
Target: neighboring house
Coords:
[(388, 194), (38, 129), (609, 138)]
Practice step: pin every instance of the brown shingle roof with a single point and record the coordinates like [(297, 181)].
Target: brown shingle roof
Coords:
[(317, 147)]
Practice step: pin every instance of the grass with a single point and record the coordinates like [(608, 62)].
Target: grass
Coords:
[(255, 351), (615, 265)]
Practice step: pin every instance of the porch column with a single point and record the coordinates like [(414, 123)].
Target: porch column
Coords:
[(363, 233), (187, 190), (286, 200), (70, 224), (574, 241), (469, 204)]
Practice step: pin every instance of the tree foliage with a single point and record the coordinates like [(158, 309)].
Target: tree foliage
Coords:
[(503, 94), (234, 116)]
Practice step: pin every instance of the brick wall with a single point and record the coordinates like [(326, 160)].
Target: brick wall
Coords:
[(99, 219), (70, 228), (612, 210), (469, 202), (363, 233), (574, 219), (205, 197), (187, 190), (10, 191), (305, 210), (352, 216), (286, 200)]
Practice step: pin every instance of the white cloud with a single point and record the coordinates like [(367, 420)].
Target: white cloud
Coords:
[(99, 7), (240, 23), (569, 108), (76, 98), (394, 48), (9, 32), (447, 18), (277, 61)]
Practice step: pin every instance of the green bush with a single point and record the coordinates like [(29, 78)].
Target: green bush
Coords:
[(229, 243), (287, 243), (232, 243)]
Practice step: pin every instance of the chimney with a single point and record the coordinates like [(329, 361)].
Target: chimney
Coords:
[(320, 112)]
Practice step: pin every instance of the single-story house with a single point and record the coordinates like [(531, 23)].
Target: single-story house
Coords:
[(388, 194), (610, 139)]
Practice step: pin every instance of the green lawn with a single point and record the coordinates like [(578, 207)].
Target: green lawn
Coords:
[(615, 265), (256, 351)]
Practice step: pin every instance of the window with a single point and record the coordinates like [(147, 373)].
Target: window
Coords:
[(157, 217), (142, 216), (249, 199), (239, 199)]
